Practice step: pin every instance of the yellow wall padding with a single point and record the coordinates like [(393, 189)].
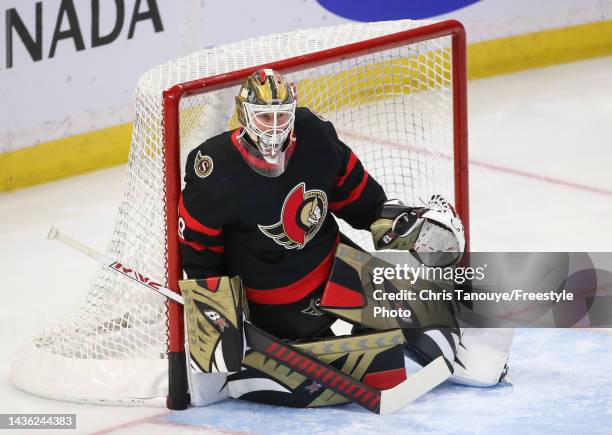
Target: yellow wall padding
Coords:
[(108, 147)]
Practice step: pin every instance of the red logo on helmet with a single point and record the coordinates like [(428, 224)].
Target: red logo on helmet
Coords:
[(302, 215)]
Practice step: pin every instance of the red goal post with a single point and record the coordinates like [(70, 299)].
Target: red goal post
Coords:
[(172, 97)]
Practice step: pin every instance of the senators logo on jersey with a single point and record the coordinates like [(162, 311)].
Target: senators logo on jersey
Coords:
[(302, 215), (203, 165)]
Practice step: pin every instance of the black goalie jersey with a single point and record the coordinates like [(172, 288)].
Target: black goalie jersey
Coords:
[(278, 234)]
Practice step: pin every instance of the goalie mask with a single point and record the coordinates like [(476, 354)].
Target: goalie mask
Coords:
[(266, 110)]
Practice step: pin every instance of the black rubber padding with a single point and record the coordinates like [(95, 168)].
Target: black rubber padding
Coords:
[(178, 392)]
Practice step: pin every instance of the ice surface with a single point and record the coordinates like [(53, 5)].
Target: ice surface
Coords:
[(560, 383)]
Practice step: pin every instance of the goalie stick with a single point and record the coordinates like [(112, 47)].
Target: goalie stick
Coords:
[(377, 401)]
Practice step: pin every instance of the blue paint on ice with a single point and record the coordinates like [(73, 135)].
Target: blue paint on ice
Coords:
[(561, 383)]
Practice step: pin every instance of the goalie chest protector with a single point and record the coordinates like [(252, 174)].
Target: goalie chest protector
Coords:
[(276, 233)]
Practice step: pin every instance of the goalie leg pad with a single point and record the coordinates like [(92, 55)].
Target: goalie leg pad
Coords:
[(349, 295), (375, 359), (431, 330), (482, 358), (214, 315), (425, 345)]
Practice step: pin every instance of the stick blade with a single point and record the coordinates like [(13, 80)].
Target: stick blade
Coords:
[(426, 379)]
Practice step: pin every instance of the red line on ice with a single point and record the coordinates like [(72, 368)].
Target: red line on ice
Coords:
[(157, 420), (485, 165)]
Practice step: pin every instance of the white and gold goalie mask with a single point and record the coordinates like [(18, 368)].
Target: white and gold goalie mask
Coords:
[(266, 110)]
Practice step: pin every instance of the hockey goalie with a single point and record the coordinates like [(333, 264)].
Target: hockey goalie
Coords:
[(256, 218)]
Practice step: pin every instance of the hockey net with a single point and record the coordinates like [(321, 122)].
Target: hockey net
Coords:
[(395, 91)]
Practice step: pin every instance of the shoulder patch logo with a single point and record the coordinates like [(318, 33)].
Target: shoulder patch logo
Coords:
[(203, 165), (303, 213)]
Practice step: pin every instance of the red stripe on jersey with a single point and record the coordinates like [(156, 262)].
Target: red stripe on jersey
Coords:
[(199, 247), (353, 196), (349, 168), (299, 289), (193, 224)]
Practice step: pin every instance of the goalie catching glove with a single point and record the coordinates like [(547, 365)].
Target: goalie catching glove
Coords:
[(433, 234)]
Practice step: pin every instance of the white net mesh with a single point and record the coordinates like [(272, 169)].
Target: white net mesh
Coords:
[(393, 108)]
